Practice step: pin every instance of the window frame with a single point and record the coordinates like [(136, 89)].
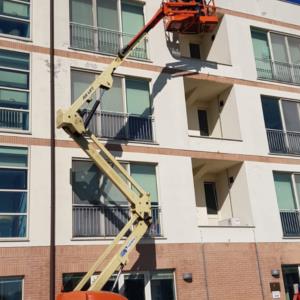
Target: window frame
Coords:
[(285, 35), (22, 278), (29, 21), (126, 164), (28, 91), (119, 31), (293, 186), (27, 214), (282, 120), (123, 87), (147, 280)]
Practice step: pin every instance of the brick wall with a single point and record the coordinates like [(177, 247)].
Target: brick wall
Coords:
[(33, 264), (220, 271)]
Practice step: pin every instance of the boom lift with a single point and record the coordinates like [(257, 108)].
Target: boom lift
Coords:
[(179, 16)]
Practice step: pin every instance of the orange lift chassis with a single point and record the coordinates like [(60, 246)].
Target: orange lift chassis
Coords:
[(186, 17)]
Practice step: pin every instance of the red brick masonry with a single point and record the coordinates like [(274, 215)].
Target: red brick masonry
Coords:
[(220, 271)]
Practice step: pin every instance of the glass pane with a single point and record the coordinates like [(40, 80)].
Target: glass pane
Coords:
[(294, 45), (81, 12), (112, 100), (271, 113), (107, 14), (14, 79), (13, 202), (284, 191), (14, 9), (279, 48), (14, 27), (12, 226), (11, 288), (138, 97), (203, 123), (80, 81), (262, 54), (91, 187), (71, 280), (12, 59), (291, 115), (132, 18), (290, 277), (14, 99), (145, 175), (13, 157), (13, 179), (211, 198), (260, 44), (134, 287), (162, 287)]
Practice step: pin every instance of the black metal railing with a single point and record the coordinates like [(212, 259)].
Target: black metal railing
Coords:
[(107, 221), (283, 141), (290, 220), (14, 119), (278, 71), (122, 126), (86, 37)]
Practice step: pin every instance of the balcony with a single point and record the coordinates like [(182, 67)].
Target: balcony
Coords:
[(107, 221), (278, 71), (101, 40), (221, 194), (290, 220), (285, 142), (14, 119), (122, 126)]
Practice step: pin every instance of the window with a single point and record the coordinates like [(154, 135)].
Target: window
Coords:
[(195, 50), (97, 199), (15, 18), (282, 121), (13, 192), (125, 111), (11, 288), (291, 276), (287, 186), (14, 90), (277, 56), (203, 122), (106, 25), (211, 198), (158, 285)]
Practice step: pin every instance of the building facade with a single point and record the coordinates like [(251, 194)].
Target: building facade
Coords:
[(224, 182)]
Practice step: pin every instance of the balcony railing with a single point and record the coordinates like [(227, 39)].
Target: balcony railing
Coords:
[(107, 221), (278, 71), (290, 220), (101, 40), (122, 126), (14, 119), (283, 141)]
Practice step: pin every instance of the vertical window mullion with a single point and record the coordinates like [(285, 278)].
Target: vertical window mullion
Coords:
[(119, 11), (147, 283), (285, 133), (295, 190), (282, 115)]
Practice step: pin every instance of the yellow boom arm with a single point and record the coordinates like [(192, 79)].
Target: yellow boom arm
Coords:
[(140, 207)]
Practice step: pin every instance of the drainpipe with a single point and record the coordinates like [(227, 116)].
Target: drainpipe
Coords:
[(52, 157)]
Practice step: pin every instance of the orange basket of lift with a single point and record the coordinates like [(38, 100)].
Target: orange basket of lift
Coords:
[(190, 17), (90, 296)]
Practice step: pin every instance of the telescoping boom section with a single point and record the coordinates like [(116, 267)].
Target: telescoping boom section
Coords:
[(185, 17)]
